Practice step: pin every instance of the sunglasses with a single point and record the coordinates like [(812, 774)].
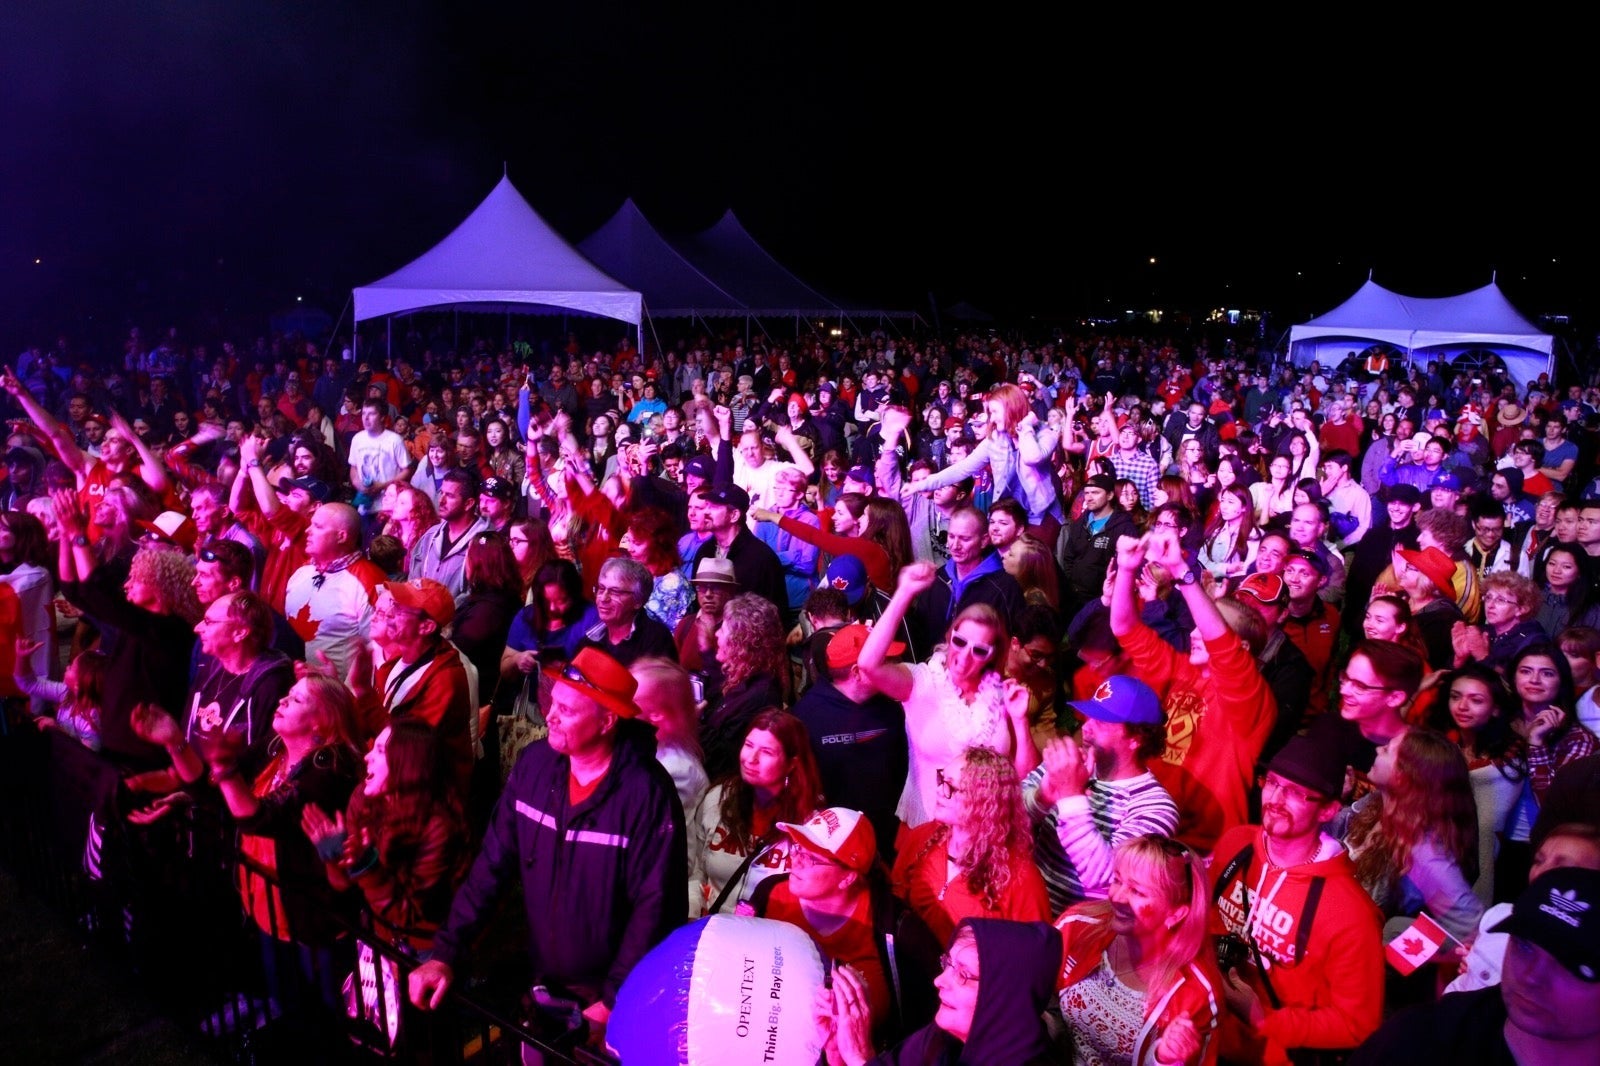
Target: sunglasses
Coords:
[(982, 651)]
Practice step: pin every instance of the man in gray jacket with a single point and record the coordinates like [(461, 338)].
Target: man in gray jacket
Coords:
[(441, 553)]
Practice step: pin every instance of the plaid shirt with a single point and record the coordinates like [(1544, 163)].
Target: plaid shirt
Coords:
[(1137, 467)]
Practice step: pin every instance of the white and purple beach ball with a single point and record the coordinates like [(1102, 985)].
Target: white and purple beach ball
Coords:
[(725, 990)]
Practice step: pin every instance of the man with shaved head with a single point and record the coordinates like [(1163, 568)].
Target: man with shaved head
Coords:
[(329, 599)]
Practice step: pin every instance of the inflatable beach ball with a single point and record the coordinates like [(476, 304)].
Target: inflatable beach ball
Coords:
[(725, 990)]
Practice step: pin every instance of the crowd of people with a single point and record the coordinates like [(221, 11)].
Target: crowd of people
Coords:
[(1098, 700)]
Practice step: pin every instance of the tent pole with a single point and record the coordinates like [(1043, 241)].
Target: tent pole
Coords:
[(389, 329)]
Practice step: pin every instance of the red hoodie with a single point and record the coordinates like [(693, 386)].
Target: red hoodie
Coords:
[(1218, 718), (1332, 992)]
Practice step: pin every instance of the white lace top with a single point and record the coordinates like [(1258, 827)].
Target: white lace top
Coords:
[(1105, 1016), (940, 725)]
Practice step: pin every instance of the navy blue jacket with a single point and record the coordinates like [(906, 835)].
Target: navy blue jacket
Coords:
[(603, 881)]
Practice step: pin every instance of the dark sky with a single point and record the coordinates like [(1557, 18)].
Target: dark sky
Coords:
[(205, 159)]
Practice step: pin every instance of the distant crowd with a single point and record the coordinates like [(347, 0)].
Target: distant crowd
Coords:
[(1096, 700)]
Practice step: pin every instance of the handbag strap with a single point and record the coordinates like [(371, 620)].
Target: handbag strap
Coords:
[(737, 879)]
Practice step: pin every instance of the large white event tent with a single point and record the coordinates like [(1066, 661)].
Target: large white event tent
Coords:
[(1426, 329), (503, 258)]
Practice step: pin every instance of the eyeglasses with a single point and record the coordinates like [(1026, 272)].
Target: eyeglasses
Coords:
[(1274, 783), (801, 858), (982, 651), (944, 785), (948, 964), (1362, 686), (1504, 601), (611, 591)]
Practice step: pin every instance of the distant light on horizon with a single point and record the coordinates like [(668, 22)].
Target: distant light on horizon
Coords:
[(37, 261), (1152, 260)]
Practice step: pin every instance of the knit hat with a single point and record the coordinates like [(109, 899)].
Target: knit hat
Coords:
[(1311, 765)]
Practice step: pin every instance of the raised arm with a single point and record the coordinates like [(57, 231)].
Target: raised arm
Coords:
[(251, 470), (151, 469), (1165, 549), (65, 446), (894, 679), (1124, 597)]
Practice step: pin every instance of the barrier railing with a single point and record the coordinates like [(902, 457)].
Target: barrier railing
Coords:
[(163, 901)]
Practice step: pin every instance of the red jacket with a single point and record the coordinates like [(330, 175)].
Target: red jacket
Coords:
[(1218, 718), (1332, 992), (435, 693), (1086, 934)]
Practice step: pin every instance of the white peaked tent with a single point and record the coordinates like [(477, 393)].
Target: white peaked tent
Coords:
[(1426, 329), (503, 257)]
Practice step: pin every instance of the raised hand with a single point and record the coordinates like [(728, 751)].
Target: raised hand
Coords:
[(161, 808), (9, 382), (1015, 696), (154, 725), (916, 577), (1544, 723), (1131, 553), (326, 834), (1066, 770), (69, 512)]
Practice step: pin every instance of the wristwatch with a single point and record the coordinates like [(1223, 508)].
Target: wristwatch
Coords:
[(81, 540), (1188, 577)]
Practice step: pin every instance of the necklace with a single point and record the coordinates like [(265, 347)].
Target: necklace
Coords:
[(1316, 848)]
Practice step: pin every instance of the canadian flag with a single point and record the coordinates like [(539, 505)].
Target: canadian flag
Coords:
[(1418, 944)]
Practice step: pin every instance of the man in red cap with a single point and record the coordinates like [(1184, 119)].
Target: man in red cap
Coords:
[(591, 825), (857, 734), (1285, 667), (425, 677), (832, 892)]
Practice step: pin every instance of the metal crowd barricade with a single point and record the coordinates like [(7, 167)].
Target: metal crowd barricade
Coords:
[(164, 904)]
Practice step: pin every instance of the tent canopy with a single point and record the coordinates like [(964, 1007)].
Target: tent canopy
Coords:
[(502, 257), (729, 256), (1426, 329), (630, 249)]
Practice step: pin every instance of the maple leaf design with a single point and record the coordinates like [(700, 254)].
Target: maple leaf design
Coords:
[(304, 625), (1411, 945)]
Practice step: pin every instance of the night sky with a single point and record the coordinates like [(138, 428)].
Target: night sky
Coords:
[(211, 161)]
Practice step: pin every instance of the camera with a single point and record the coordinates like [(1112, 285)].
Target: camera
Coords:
[(1233, 952)]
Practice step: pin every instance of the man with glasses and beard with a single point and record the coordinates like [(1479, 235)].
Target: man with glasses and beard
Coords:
[(1299, 940)]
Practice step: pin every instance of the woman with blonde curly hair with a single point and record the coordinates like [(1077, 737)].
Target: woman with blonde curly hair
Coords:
[(975, 858), (1415, 840), (152, 612), (753, 659)]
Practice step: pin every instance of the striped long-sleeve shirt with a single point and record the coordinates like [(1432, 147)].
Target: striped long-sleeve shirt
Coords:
[(1073, 840)]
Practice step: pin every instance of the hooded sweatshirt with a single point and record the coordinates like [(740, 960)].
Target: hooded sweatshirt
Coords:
[(1017, 967), (1331, 991)]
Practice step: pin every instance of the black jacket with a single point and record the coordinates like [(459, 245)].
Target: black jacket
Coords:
[(755, 565), (602, 881), (861, 753), (1085, 556), (937, 606)]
